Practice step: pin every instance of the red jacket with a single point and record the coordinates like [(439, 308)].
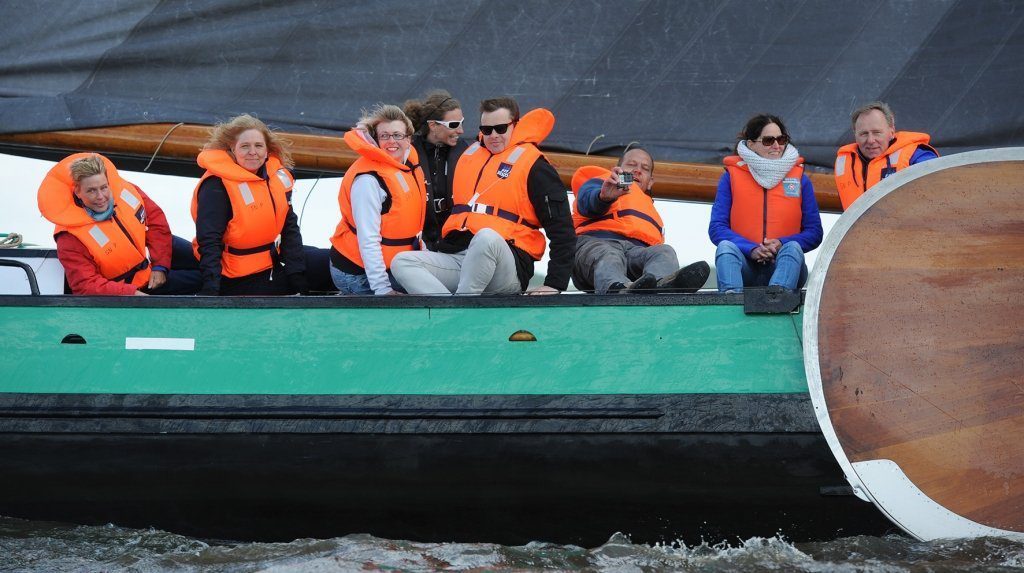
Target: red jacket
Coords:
[(83, 274)]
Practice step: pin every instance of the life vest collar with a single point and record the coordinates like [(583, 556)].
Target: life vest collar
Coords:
[(900, 140), (533, 127), (56, 197), (365, 148), (586, 173), (222, 164)]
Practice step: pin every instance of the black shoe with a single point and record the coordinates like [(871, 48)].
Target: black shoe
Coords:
[(616, 288), (644, 284), (688, 279)]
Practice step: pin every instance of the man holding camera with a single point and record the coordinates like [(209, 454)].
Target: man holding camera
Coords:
[(620, 246)]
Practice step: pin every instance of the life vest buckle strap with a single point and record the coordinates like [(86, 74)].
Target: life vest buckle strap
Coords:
[(128, 276), (252, 250), (401, 242), (482, 209), (625, 213), (644, 216)]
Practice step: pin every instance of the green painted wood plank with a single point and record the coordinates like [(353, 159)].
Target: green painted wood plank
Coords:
[(579, 350)]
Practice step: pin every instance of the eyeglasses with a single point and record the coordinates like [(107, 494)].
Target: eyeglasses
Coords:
[(450, 124), (391, 136), (501, 128), (768, 140)]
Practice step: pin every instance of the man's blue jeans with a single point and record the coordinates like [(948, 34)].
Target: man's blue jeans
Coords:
[(735, 270)]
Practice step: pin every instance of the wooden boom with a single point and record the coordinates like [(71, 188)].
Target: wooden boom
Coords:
[(681, 181)]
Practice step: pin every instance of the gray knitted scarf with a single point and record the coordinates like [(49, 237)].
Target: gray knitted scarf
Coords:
[(768, 172)]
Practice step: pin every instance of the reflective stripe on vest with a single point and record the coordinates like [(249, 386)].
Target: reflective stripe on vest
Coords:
[(130, 199), (286, 180), (99, 236), (246, 193)]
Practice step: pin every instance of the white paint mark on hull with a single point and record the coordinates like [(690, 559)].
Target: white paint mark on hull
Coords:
[(159, 343)]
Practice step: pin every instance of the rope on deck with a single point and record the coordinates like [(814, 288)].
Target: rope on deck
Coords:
[(11, 241)]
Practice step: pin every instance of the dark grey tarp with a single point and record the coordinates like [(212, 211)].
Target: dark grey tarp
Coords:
[(678, 76)]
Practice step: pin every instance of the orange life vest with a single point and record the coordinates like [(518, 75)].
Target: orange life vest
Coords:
[(632, 215), (406, 189), (258, 210), (759, 214), (850, 165), (490, 191), (118, 245)]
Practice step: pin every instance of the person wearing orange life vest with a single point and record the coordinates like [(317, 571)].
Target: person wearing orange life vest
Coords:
[(241, 206), (383, 200), (620, 244), (765, 216), (504, 193), (878, 152), (112, 239)]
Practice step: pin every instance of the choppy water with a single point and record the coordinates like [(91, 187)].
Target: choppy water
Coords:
[(39, 546)]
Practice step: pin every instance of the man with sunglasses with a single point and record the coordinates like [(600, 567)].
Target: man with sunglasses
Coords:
[(438, 121), (621, 239), (878, 152), (504, 193)]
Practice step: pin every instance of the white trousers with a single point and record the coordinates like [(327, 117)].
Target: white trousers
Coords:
[(486, 267)]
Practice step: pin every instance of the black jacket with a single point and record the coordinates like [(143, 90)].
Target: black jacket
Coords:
[(213, 212), (438, 164)]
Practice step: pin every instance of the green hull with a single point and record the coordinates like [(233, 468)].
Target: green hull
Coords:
[(664, 417), (334, 345)]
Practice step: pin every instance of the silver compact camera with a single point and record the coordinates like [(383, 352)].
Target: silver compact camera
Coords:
[(625, 179)]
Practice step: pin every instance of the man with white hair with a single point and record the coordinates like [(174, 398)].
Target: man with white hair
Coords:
[(878, 152)]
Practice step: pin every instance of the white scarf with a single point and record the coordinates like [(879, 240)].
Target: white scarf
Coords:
[(768, 172)]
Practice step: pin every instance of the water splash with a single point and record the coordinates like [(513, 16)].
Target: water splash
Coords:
[(52, 547)]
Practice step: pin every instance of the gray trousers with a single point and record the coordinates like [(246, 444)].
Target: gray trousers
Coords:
[(486, 267), (602, 262)]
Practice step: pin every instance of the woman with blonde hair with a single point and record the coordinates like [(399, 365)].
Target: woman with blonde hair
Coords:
[(242, 206), (382, 200)]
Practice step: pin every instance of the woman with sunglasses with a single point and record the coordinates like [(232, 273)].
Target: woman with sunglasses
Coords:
[(765, 216), (438, 121), (382, 200)]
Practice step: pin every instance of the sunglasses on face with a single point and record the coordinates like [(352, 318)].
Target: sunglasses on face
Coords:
[(501, 128), (768, 140), (449, 124)]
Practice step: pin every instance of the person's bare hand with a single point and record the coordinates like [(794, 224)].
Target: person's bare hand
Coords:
[(761, 254), (610, 189), (773, 246), (157, 279), (543, 289)]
